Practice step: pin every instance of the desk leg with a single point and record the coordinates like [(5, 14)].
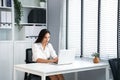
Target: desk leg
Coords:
[(107, 73), (43, 77), (76, 75)]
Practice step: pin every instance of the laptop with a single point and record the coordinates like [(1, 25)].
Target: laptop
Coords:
[(66, 56)]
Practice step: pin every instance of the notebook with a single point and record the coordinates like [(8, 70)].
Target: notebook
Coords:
[(66, 56)]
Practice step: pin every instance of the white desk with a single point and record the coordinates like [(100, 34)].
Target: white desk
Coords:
[(44, 69)]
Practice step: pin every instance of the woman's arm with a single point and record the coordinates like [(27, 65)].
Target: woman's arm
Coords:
[(40, 60)]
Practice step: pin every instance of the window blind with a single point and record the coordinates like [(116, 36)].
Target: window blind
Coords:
[(74, 25), (108, 29), (90, 27)]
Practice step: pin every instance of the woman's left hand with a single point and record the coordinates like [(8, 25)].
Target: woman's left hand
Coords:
[(56, 59)]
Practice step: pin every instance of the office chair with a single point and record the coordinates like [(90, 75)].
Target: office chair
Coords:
[(28, 60), (115, 68)]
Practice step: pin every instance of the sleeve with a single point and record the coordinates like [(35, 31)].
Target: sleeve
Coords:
[(52, 51), (36, 52)]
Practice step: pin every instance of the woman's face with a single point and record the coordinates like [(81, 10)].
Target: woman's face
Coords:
[(46, 38)]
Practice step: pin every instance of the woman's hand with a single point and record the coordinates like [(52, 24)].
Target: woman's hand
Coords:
[(55, 60)]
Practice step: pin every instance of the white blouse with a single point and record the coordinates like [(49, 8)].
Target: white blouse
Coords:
[(38, 51)]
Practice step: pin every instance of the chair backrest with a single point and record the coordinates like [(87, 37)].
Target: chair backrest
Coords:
[(29, 55), (29, 60), (115, 68)]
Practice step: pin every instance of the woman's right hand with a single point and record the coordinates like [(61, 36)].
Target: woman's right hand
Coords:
[(55, 60)]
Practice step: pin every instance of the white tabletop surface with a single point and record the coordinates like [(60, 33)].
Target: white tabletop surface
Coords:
[(46, 68)]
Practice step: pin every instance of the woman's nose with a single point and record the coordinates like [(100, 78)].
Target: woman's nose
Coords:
[(47, 39)]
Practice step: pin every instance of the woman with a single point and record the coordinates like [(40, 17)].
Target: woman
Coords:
[(43, 50)]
